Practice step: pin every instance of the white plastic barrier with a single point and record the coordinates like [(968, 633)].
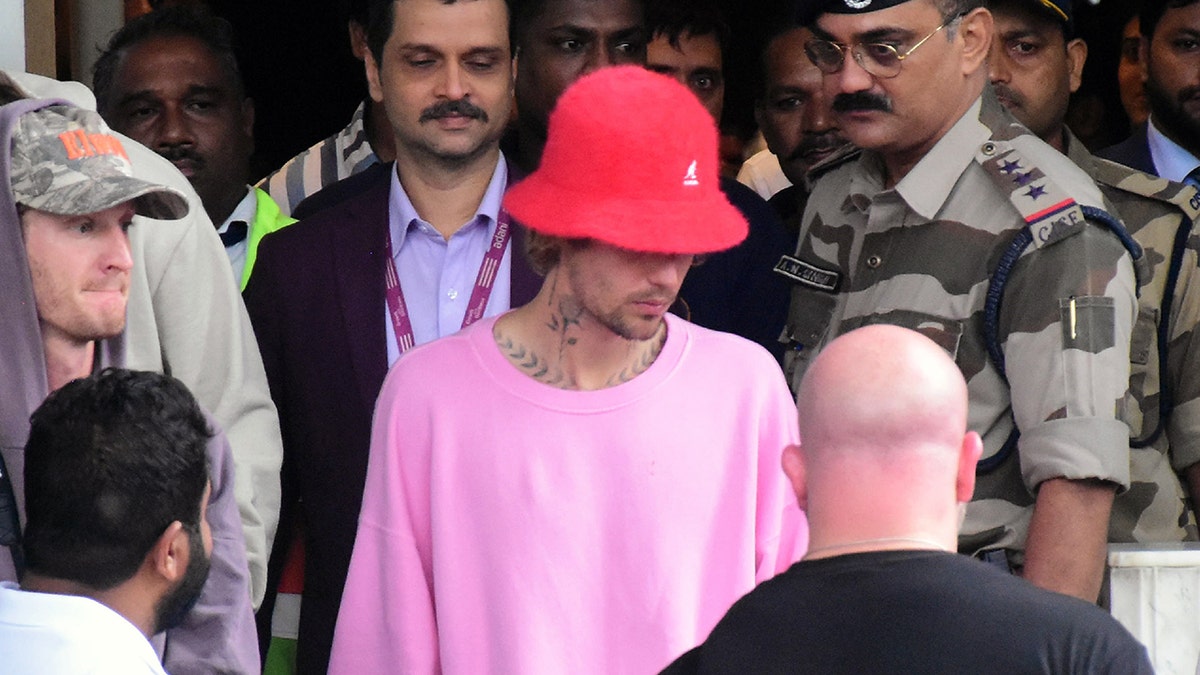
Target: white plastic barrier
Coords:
[(1155, 593)]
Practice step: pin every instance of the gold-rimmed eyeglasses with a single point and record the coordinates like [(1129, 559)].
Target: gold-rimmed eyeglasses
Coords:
[(879, 59)]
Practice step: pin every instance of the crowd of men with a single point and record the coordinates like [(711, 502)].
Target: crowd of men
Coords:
[(519, 380)]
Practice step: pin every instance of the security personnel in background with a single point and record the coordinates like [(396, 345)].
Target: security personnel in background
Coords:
[(948, 194), (169, 80), (1035, 65)]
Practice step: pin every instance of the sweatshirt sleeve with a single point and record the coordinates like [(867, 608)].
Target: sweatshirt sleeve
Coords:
[(781, 528), (218, 635), (387, 621)]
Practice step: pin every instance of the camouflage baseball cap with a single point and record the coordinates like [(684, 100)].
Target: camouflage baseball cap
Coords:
[(66, 161)]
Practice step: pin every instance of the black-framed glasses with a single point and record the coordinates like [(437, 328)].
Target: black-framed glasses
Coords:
[(877, 58)]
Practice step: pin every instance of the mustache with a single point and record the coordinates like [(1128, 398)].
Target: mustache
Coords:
[(1006, 92), (178, 152), (861, 100), (1188, 94), (656, 295), (811, 143), (460, 107)]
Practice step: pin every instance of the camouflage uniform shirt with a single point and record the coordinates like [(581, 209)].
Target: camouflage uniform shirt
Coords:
[(921, 254), (1155, 508)]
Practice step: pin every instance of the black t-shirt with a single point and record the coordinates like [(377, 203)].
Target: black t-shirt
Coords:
[(912, 612)]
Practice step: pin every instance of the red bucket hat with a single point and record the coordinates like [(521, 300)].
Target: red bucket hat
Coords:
[(630, 160)]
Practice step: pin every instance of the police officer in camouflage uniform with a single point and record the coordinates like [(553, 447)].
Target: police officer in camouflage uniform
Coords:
[(1035, 65), (910, 231)]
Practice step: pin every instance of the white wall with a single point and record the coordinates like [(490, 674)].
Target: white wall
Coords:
[(95, 22), (12, 47)]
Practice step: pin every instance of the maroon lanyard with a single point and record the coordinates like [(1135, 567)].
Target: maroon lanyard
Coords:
[(484, 281)]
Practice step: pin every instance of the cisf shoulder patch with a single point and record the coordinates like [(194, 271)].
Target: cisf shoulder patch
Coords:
[(808, 275), (1050, 213)]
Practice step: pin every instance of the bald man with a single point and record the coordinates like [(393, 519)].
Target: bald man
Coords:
[(884, 472)]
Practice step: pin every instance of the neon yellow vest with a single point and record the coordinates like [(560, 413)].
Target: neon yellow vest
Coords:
[(267, 218)]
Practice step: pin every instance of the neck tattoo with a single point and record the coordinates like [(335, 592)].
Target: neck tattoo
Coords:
[(921, 542), (564, 323), (650, 352)]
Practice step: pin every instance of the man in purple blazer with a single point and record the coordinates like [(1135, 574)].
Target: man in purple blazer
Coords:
[(398, 255)]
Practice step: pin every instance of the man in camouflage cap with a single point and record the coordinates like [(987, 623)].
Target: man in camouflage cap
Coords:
[(68, 200), (913, 229), (1035, 65)]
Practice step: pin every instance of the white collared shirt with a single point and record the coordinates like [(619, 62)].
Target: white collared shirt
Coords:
[(49, 634), (1171, 161), (244, 212)]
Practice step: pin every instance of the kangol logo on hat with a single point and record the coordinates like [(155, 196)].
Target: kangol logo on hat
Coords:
[(616, 140), (857, 4), (689, 178)]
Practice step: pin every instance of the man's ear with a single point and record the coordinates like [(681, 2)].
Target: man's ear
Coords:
[(1077, 53), (374, 85), (794, 468), (516, 66), (968, 458), (248, 120), (512, 79), (975, 28), (1144, 57), (168, 558), (358, 39)]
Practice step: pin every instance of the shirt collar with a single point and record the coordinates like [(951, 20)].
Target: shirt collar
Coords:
[(403, 215), (243, 212), (1170, 159), (927, 185)]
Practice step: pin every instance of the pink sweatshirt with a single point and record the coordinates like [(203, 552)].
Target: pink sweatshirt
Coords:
[(511, 527)]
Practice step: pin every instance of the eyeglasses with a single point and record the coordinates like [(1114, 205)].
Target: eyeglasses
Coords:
[(877, 58)]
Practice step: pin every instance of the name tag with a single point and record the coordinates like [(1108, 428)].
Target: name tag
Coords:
[(808, 275)]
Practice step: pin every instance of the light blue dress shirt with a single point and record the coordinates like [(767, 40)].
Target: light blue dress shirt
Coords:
[(1170, 159), (437, 275)]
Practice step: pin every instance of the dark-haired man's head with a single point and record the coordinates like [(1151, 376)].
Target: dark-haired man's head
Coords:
[(1035, 65), (901, 73), (116, 485), (1171, 68), (169, 80), (688, 42), (443, 71), (1152, 11), (557, 42), (794, 112)]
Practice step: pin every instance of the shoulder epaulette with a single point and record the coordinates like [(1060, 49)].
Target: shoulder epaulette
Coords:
[(1049, 212), (1147, 185), (839, 157)]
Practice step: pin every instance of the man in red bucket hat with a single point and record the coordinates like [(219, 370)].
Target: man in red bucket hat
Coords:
[(586, 483)]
